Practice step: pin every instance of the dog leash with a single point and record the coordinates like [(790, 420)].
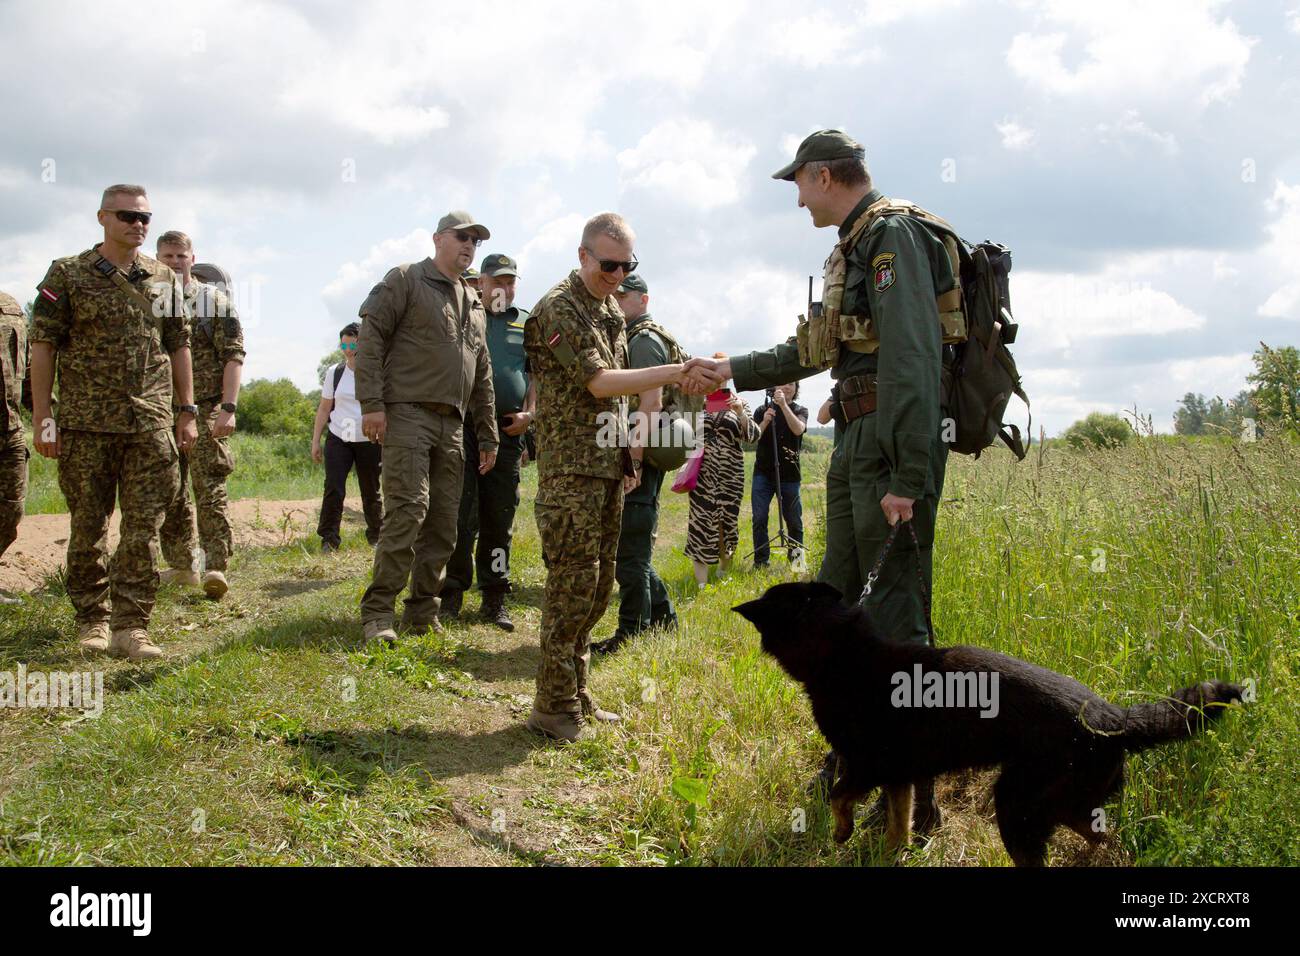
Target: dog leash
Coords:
[(874, 574)]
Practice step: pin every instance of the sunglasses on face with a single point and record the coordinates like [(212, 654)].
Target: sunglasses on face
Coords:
[(130, 215), (613, 265), (347, 346), (468, 237)]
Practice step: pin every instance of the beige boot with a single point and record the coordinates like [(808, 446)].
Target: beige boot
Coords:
[(182, 576), (134, 643), (214, 585), (564, 728), (604, 716), (94, 637), (379, 631)]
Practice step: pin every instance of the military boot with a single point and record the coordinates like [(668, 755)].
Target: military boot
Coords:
[(379, 631), (133, 643), (450, 603), (494, 609), (94, 637), (610, 644), (925, 808), (602, 716), (215, 585), (564, 728), (408, 625)]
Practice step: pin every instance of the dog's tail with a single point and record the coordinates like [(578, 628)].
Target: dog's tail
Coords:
[(1178, 717)]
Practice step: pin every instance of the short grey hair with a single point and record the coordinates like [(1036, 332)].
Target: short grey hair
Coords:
[(849, 171), (608, 224), (121, 189)]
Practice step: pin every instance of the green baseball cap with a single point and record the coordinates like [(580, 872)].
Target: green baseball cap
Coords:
[(469, 273), (633, 283), (459, 219), (499, 265), (822, 145)]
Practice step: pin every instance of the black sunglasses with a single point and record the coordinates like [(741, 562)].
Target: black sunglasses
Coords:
[(130, 215), (468, 237), (613, 265)]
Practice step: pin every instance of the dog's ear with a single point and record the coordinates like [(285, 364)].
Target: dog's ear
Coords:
[(821, 591), (757, 612)]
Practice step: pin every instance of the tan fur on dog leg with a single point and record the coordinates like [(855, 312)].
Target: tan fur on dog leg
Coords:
[(842, 811), (898, 828)]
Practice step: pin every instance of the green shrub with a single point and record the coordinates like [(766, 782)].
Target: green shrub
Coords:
[(1099, 430)]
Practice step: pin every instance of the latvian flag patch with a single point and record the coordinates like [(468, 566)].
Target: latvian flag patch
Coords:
[(553, 341), (49, 294)]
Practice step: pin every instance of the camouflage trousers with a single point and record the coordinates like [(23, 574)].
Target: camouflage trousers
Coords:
[(578, 520), (424, 466), (96, 469), (206, 467), (13, 485)]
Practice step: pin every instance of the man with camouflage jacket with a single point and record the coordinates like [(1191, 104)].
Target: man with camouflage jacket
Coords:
[(217, 356), (116, 321), (16, 386), (577, 351)]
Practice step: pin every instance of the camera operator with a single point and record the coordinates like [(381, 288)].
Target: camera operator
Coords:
[(790, 420)]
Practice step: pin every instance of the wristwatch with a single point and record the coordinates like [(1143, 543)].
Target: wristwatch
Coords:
[(192, 409), (229, 407), (637, 465)]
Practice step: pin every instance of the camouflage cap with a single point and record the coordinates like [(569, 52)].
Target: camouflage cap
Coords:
[(499, 265), (459, 219), (207, 272), (633, 283), (821, 145)]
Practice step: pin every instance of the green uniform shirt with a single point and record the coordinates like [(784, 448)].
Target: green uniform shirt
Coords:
[(505, 338), (424, 340), (216, 338), (115, 370), (13, 362), (909, 361), (644, 351), (571, 336)]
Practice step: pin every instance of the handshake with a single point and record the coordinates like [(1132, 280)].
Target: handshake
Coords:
[(700, 376)]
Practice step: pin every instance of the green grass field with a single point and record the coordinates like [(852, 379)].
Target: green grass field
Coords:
[(269, 735)]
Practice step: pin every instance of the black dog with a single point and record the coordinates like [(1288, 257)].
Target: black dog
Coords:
[(902, 712)]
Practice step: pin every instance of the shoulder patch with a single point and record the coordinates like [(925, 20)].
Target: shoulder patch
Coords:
[(561, 349), (882, 268)]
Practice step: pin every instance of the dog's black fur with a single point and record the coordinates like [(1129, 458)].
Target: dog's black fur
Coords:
[(1060, 746)]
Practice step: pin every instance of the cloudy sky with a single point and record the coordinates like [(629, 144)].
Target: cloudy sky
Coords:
[(1141, 160)]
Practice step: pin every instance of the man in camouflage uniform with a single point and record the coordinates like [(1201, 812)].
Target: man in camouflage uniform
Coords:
[(577, 352), (422, 366), (116, 321), (488, 502), (889, 459), (16, 385), (643, 600), (217, 355)]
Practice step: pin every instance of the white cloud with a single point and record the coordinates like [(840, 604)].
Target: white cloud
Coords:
[(1293, 20), (344, 293), (1223, 270), (688, 161), (820, 39), (1130, 126), (1283, 250), (1164, 49), (1222, 375), (881, 12), (1014, 136), (1063, 308)]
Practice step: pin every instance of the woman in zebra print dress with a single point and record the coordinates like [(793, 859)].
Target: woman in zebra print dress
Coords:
[(712, 530)]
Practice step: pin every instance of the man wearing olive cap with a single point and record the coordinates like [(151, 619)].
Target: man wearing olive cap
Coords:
[(488, 502), (884, 277), (422, 367)]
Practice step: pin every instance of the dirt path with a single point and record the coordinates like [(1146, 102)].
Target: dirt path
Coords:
[(42, 543)]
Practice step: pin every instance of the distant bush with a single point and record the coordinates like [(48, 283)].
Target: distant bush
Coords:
[(1099, 430), (275, 408)]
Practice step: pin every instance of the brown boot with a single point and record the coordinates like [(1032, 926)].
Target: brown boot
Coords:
[(94, 637), (133, 643), (380, 632), (449, 602), (215, 585), (564, 728)]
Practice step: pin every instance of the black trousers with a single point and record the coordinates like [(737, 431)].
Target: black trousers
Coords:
[(487, 514), (340, 457)]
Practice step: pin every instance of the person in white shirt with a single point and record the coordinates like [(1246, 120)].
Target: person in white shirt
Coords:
[(344, 447)]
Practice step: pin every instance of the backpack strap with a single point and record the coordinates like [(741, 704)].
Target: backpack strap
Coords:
[(338, 377), (138, 298)]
